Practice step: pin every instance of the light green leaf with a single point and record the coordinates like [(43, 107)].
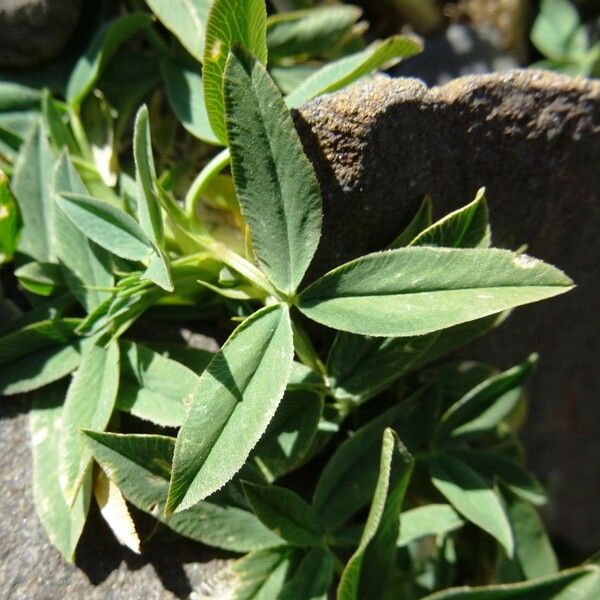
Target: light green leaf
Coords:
[(106, 225), (313, 32), (105, 43), (413, 291), (285, 513), (185, 91), (432, 519), (277, 187), (262, 573), (312, 578), (56, 119), (347, 482), (43, 279), (345, 71), (375, 555), (153, 387), (581, 583), (186, 19), (62, 524), (86, 267), (483, 407), (466, 227), (234, 401), (89, 403), (10, 221), (37, 355), (555, 27), (472, 496), (504, 469), (140, 465), (289, 435), (421, 221), (31, 186), (230, 23), (533, 549)]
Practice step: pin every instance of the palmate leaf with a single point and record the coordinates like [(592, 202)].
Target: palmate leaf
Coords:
[(414, 291), (62, 523), (432, 519), (375, 554), (89, 402), (312, 578), (345, 71), (472, 496), (43, 279), (140, 464), (421, 221), (56, 119), (230, 23), (262, 574), (276, 185), (233, 403)]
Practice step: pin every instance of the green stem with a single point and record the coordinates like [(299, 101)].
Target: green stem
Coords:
[(208, 173), (80, 136)]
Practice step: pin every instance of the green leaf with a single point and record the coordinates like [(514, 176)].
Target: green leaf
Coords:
[(312, 578), (140, 464), (483, 407), (345, 71), (313, 32), (105, 43), (10, 221), (347, 482), (421, 221), (185, 91), (533, 549), (277, 187), (86, 267), (37, 355), (148, 208), (106, 225), (43, 279), (242, 23), (31, 186), (466, 227), (472, 496), (554, 28), (262, 573), (234, 401), (62, 524), (361, 367), (153, 387), (89, 403), (430, 520), (502, 468), (285, 513), (581, 583), (186, 19), (56, 119), (375, 555), (289, 435), (413, 291)]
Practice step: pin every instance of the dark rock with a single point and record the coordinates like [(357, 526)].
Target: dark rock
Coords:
[(33, 31), (533, 138)]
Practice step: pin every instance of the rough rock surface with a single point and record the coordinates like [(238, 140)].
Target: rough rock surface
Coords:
[(32, 31), (533, 138)]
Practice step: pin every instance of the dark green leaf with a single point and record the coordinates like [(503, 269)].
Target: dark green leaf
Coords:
[(345, 71), (106, 225), (234, 402), (413, 291), (277, 188), (229, 24), (374, 557), (465, 228), (10, 221), (101, 49), (312, 578), (89, 403), (432, 519), (62, 524), (421, 221), (285, 513), (140, 464), (472, 496)]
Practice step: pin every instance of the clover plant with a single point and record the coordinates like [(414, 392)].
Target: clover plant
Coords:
[(355, 457)]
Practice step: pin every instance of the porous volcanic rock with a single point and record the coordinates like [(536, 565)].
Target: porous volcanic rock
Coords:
[(533, 139)]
